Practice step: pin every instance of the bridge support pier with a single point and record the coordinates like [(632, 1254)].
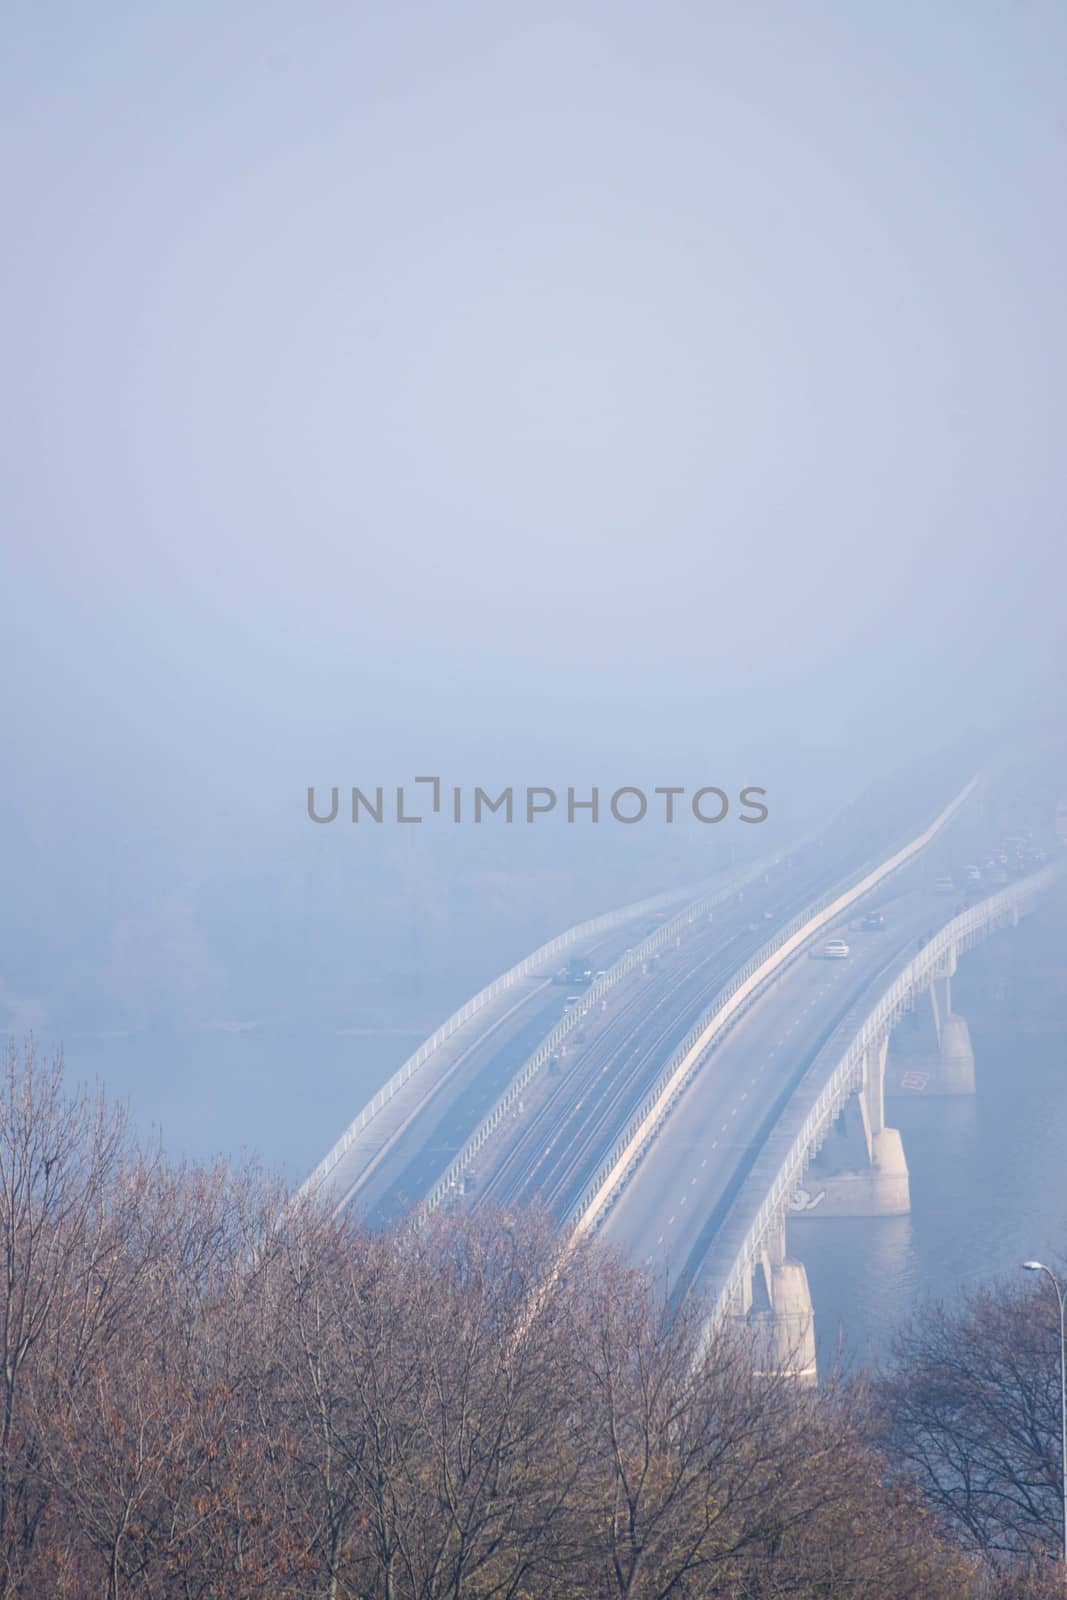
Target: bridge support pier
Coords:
[(861, 1170), (782, 1314), (956, 1068), (931, 1053)]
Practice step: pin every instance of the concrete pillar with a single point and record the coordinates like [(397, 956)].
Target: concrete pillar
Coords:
[(873, 1087), (932, 1060), (773, 1251), (941, 1000), (784, 1327), (861, 1170), (955, 1074), (878, 1187), (793, 1323), (914, 1046), (948, 962)]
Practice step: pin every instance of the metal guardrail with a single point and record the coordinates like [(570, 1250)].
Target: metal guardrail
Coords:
[(877, 1025), (523, 969), (722, 999), (573, 1018)]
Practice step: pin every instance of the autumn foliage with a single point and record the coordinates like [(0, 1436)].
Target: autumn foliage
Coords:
[(211, 1392)]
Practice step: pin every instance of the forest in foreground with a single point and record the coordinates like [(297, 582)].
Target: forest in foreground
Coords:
[(212, 1391)]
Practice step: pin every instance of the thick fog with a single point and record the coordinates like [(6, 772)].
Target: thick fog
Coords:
[(552, 395)]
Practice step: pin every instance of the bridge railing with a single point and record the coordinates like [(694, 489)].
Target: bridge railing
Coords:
[(876, 1026), (572, 1019), (532, 964), (766, 953)]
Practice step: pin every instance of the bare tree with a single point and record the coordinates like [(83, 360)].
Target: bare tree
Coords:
[(447, 1412), (688, 1448), (63, 1163), (307, 1415), (971, 1405), (211, 1392), (497, 1429)]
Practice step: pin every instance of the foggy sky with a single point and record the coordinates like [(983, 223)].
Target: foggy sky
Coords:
[(666, 394)]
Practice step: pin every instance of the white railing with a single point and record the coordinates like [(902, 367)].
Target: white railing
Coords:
[(845, 1077)]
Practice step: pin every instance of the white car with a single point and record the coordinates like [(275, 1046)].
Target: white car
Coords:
[(835, 950)]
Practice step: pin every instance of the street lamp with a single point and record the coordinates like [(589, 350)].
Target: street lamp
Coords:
[(1039, 1266)]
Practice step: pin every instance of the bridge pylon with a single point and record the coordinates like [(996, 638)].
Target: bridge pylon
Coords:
[(930, 1052), (861, 1169), (778, 1305)]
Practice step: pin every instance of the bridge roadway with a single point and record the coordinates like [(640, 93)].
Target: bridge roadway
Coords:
[(436, 1135), (566, 1131), (575, 1114), (669, 1212), (413, 1156), (401, 1156), (398, 1156)]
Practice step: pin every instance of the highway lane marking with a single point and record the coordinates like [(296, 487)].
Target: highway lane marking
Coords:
[(669, 1221), (733, 1113), (705, 1161)]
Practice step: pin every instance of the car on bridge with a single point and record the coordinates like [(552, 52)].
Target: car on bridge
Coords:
[(835, 950)]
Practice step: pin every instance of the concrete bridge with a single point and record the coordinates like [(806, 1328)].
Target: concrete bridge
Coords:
[(832, 1152), (711, 1078), (415, 1141)]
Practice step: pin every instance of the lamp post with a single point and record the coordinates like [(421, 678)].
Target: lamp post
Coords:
[(1039, 1266)]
